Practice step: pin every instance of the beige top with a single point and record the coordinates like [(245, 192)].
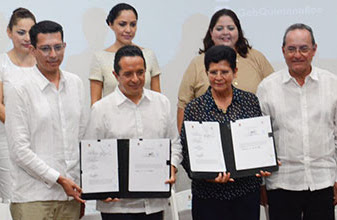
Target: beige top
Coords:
[(102, 67), (251, 71)]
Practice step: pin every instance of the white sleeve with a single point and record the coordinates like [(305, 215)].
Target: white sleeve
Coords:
[(152, 64), (173, 134), (84, 113), (262, 95), (19, 139), (95, 128)]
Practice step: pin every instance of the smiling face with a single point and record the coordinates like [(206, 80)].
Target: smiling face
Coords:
[(298, 52), (48, 62), (131, 77), (225, 32), (220, 76), (20, 34), (125, 27)]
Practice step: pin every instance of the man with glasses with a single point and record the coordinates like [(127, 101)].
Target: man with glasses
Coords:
[(44, 122), (302, 103)]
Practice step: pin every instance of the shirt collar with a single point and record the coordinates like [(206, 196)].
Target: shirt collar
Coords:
[(121, 98), (313, 75), (235, 98), (43, 82)]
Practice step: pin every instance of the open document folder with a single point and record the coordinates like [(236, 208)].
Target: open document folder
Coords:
[(135, 168), (243, 147)]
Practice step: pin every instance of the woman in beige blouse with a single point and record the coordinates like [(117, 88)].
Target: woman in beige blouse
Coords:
[(122, 19), (224, 29)]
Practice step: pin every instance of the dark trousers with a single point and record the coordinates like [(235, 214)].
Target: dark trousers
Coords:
[(243, 208), (132, 216), (298, 205)]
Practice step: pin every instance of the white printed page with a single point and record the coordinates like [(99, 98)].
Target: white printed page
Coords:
[(148, 168), (99, 166), (253, 148), (204, 146)]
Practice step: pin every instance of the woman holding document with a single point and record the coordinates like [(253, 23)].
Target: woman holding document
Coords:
[(224, 29), (223, 197)]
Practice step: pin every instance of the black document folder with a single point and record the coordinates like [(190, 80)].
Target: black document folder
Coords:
[(123, 155), (229, 157)]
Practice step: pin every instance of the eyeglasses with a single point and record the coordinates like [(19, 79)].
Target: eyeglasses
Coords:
[(46, 49), (302, 49), (214, 73)]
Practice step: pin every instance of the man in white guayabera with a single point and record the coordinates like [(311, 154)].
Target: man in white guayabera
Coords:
[(302, 103)]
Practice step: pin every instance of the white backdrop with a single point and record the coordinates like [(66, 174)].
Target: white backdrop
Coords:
[(174, 30)]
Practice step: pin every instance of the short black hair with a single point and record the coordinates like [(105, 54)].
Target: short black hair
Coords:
[(44, 27), (116, 10), (299, 26), (218, 53), (127, 51)]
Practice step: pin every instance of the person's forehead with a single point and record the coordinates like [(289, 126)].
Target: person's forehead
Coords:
[(23, 22), (131, 61), (126, 14), (225, 19), (221, 62), (45, 38), (298, 35)]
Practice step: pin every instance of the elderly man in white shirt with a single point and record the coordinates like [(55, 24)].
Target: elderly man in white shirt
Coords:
[(302, 103), (44, 122), (132, 111)]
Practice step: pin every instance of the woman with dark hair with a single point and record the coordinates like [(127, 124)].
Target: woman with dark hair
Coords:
[(14, 61), (223, 197), (122, 20), (224, 29)]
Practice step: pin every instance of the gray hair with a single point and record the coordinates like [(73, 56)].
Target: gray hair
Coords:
[(301, 27)]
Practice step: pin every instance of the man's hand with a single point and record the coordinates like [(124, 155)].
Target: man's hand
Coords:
[(70, 188), (109, 199), (266, 173), (172, 179)]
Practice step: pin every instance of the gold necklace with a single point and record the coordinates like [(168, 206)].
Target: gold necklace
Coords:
[(226, 103), (223, 110)]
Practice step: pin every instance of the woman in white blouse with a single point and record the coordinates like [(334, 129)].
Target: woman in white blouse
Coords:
[(122, 19), (10, 63)]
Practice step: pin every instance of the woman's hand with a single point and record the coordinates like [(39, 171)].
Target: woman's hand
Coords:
[(263, 174), (222, 178)]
